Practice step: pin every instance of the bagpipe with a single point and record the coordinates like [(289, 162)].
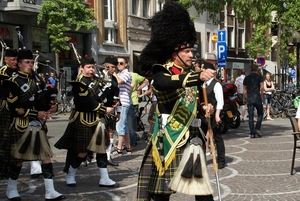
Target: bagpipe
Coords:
[(105, 87), (45, 95)]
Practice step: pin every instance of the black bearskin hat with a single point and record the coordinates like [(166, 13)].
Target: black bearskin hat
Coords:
[(25, 54), (87, 60), (171, 30), (11, 53)]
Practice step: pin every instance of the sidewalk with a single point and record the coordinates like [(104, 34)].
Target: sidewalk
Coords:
[(258, 169)]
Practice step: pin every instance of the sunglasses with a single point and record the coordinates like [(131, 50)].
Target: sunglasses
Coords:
[(121, 63)]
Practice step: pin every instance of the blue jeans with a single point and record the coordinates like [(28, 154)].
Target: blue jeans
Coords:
[(122, 125), (259, 107), (131, 125)]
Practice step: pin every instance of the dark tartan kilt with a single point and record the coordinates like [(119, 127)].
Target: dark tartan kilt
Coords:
[(4, 121), (76, 137), (149, 182), (111, 123)]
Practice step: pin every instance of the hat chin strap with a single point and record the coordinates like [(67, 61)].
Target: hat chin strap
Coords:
[(182, 60)]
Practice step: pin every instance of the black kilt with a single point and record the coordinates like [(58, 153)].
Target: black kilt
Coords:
[(76, 137), (111, 123), (4, 121), (149, 182)]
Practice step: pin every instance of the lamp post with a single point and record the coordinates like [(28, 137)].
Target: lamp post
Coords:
[(296, 41)]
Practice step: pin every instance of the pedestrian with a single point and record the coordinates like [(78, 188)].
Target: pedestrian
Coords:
[(30, 103), (86, 130), (138, 82), (268, 89), (252, 96), (172, 161), (52, 80), (151, 114), (240, 88), (214, 92), (112, 97), (124, 82)]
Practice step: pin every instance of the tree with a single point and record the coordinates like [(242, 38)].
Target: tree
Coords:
[(62, 16), (259, 13)]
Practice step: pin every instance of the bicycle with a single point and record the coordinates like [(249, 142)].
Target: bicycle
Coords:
[(67, 102)]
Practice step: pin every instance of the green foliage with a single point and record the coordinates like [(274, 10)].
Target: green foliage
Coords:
[(62, 16), (259, 14)]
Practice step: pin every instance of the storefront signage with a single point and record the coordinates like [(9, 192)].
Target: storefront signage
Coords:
[(4, 32)]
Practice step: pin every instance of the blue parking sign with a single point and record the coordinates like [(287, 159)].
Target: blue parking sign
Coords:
[(222, 51)]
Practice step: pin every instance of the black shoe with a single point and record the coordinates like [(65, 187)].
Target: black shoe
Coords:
[(112, 163), (109, 186), (259, 134), (252, 136), (15, 199), (62, 197), (35, 176), (72, 185), (221, 166)]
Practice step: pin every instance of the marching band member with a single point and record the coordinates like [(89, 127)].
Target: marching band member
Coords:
[(6, 71), (86, 130), (30, 103), (174, 160), (112, 96)]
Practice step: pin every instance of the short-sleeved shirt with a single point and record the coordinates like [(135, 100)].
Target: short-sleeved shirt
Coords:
[(136, 80), (239, 83), (252, 83), (298, 112), (125, 94)]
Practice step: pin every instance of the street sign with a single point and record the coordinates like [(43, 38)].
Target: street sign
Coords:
[(221, 36), (221, 64), (222, 51)]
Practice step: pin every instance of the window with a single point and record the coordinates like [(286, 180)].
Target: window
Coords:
[(241, 34), (110, 35), (134, 7), (241, 40), (230, 37), (207, 41), (109, 10), (29, 1), (160, 5), (40, 40), (145, 8)]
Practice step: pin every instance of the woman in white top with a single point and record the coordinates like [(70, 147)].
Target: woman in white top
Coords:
[(268, 89)]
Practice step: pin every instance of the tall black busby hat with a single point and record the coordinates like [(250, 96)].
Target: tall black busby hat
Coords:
[(11, 53), (111, 60), (25, 54), (171, 30), (87, 60)]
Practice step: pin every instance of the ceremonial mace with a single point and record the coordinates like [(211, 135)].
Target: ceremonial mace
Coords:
[(211, 140)]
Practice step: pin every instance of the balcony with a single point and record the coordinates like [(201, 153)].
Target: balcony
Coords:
[(22, 7)]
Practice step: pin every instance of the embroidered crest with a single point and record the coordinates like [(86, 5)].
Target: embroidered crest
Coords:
[(10, 95), (81, 89)]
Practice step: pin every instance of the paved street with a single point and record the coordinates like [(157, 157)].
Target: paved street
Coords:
[(258, 169)]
